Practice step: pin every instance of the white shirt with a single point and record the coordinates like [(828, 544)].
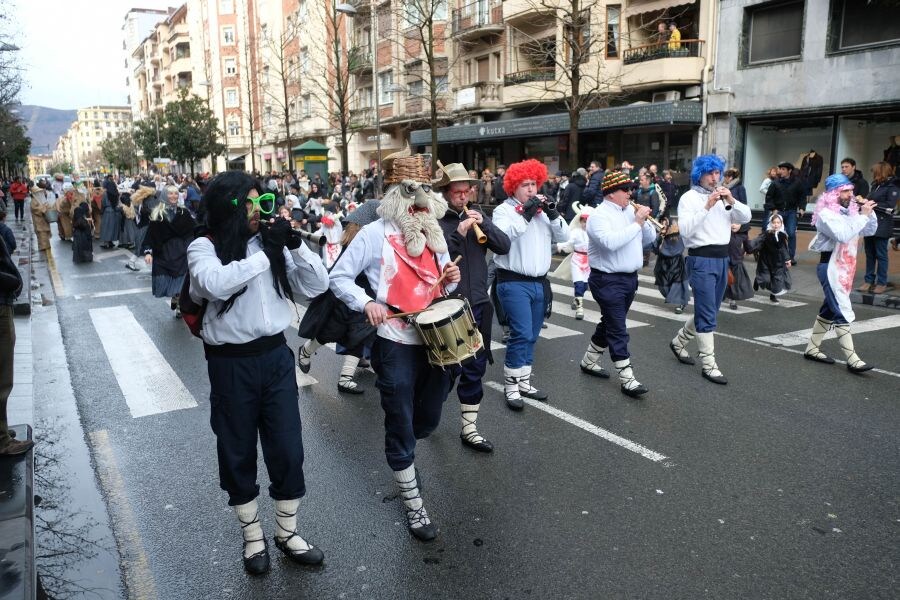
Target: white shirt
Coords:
[(833, 229), (701, 227), (366, 255), (616, 241), (530, 251), (258, 312)]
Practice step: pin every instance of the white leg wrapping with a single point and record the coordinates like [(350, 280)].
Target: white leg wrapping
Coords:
[(251, 529), (409, 493), (626, 374), (511, 379), (707, 354), (469, 415), (306, 352), (684, 335), (820, 328), (286, 529), (845, 339), (525, 386), (348, 373), (579, 309), (591, 360)]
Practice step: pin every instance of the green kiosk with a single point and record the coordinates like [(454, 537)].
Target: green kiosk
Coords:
[(312, 157)]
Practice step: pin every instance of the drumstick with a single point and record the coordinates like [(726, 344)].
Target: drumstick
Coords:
[(444, 274), (403, 314)]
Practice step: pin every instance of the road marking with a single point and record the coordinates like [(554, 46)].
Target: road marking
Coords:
[(117, 253), (135, 566), (801, 336), (759, 299), (57, 281), (792, 351), (114, 293), (591, 316), (555, 331), (147, 381), (100, 274), (497, 345), (593, 429)]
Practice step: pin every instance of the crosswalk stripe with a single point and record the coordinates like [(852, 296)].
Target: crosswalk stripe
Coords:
[(593, 429), (555, 331), (591, 316), (801, 336), (147, 381), (117, 253), (758, 299), (113, 293)]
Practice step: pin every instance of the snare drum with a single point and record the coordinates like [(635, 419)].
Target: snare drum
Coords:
[(449, 331)]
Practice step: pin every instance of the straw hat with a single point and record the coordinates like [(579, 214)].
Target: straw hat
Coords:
[(404, 165), (452, 173)]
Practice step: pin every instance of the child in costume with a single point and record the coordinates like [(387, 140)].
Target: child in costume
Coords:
[(774, 259), (580, 269)]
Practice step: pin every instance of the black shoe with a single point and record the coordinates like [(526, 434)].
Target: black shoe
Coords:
[(257, 564), (516, 404), (535, 395), (822, 359), (862, 369), (773, 298), (685, 360), (313, 556), (482, 446), (721, 380), (356, 389), (602, 373), (640, 390)]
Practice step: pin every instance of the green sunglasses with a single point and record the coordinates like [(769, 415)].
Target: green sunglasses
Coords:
[(264, 203)]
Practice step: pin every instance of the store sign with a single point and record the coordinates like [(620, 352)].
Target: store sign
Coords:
[(315, 158), (385, 137)]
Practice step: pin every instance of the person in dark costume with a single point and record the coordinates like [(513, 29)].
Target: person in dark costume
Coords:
[(671, 277), (82, 226), (169, 232), (772, 268)]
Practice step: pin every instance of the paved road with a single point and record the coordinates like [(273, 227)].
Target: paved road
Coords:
[(784, 484)]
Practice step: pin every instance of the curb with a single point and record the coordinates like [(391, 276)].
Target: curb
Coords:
[(22, 305)]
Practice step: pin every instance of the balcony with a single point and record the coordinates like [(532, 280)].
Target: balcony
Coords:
[(484, 95), (520, 10), (655, 65), (361, 117), (359, 58), (530, 75), (477, 19)]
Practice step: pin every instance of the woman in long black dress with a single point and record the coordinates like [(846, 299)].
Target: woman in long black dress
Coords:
[(169, 232), (82, 228)]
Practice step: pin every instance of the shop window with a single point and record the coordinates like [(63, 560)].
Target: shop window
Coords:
[(613, 12), (857, 24), (773, 32)]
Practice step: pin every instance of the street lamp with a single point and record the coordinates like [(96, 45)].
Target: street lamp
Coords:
[(373, 36)]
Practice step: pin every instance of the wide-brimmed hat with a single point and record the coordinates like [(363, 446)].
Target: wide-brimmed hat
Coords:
[(452, 173), (616, 180)]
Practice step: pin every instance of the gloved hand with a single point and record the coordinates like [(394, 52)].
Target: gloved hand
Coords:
[(530, 208), (274, 237), (551, 213), (293, 240)]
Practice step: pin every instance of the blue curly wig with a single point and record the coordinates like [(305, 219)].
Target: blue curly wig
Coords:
[(704, 164)]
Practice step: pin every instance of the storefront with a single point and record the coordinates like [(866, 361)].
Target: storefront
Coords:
[(649, 133), (860, 134)]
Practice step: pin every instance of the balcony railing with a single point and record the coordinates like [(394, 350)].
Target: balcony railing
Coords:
[(681, 49), (360, 117), (359, 58), (479, 14), (530, 75), (480, 95)]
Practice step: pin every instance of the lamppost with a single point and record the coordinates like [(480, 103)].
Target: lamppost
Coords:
[(373, 38)]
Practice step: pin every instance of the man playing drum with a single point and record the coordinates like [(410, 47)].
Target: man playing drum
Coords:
[(459, 225), (617, 233), (403, 254)]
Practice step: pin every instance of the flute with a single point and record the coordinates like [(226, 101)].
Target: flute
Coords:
[(656, 224), (479, 234), (879, 209)]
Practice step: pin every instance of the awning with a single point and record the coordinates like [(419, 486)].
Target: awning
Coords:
[(634, 9), (238, 158)]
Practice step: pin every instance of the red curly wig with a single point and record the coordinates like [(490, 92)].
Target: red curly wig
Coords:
[(522, 171)]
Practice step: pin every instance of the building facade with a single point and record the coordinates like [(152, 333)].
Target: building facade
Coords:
[(138, 24), (514, 67), (797, 76), (80, 145)]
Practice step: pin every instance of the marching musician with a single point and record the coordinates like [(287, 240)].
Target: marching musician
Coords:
[(403, 255), (706, 213), (617, 234), (459, 225), (247, 274), (532, 224), (839, 222)]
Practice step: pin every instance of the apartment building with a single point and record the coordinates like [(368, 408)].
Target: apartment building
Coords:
[(138, 24), (796, 76), (400, 83), (39, 164), (511, 74), (80, 145)]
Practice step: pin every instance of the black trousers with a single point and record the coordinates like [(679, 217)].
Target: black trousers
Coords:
[(412, 396), (469, 388), (614, 292), (250, 397)]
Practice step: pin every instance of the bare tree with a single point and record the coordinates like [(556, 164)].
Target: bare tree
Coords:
[(281, 74), (423, 33), (249, 82)]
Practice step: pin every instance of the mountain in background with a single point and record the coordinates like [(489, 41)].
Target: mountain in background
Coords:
[(45, 125)]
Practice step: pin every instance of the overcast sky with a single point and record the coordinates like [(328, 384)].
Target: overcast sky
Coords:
[(72, 50)]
